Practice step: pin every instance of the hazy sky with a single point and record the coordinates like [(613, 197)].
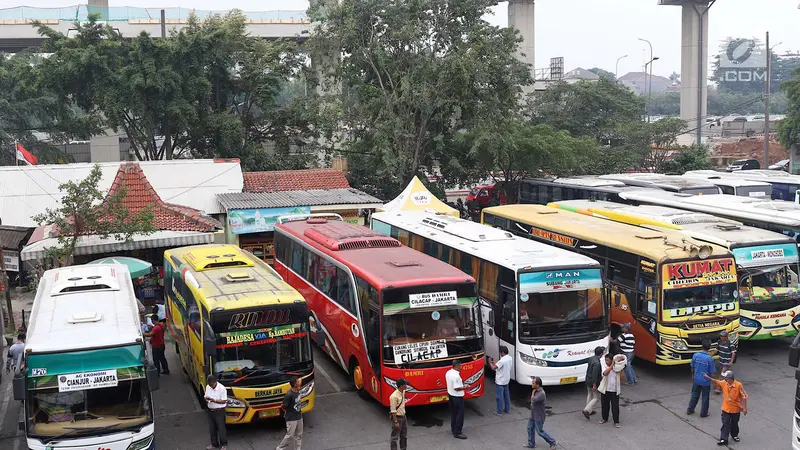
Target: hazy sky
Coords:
[(587, 33)]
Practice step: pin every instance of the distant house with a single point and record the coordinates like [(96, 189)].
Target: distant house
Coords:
[(638, 82), (575, 75)]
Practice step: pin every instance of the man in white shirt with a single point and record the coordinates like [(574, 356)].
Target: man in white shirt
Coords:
[(455, 390), (217, 399), (502, 376)]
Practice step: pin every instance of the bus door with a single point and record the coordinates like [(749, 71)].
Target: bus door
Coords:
[(508, 327), (491, 343)]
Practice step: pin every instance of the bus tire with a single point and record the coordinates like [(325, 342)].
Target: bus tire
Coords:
[(357, 377)]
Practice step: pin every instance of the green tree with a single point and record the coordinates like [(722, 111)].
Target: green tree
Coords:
[(663, 137), (603, 73), (86, 210), (28, 109), (666, 104), (412, 76), (693, 158), (788, 129)]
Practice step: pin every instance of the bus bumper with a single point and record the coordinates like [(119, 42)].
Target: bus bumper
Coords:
[(265, 412), (759, 326)]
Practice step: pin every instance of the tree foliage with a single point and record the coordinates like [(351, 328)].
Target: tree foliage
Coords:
[(692, 158), (208, 90), (412, 76), (603, 73), (86, 210), (27, 107), (788, 130)]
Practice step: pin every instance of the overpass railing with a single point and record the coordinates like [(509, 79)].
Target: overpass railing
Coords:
[(81, 13)]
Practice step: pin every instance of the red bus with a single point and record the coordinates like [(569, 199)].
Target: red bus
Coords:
[(381, 310)]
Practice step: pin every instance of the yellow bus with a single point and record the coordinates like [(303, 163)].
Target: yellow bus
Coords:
[(233, 316), (673, 290)]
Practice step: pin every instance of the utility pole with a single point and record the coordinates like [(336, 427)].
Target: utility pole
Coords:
[(167, 138), (7, 289), (767, 88)]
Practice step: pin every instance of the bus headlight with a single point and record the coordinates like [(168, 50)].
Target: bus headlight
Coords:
[(675, 344), (749, 323), (305, 390), (235, 403), (531, 360), (142, 444), (474, 378)]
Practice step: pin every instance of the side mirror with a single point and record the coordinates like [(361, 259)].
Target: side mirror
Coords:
[(19, 387), (209, 340), (794, 352), (152, 378)]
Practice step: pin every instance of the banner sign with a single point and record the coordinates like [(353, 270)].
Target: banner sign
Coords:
[(260, 337), (765, 254), (554, 237), (11, 259), (87, 380), (560, 280), (432, 299), (690, 274), (419, 351), (243, 221)]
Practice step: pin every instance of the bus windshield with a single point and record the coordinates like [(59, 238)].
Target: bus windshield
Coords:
[(769, 284), (430, 322), (89, 412), (697, 287), (245, 349), (545, 314), (685, 302)]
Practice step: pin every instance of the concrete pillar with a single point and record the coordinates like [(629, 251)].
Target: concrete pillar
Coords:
[(521, 17), (694, 72), (98, 7)]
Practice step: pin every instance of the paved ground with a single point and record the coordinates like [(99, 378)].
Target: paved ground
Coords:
[(653, 414)]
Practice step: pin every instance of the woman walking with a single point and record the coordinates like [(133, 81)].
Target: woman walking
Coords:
[(610, 387)]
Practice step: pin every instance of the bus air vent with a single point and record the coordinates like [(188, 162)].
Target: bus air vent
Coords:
[(344, 236), (238, 276), (85, 317), (648, 236), (440, 224), (404, 263), (727, 227), (547, 212)]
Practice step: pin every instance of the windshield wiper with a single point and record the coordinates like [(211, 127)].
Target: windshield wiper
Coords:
[(75, 431), (261, 370)]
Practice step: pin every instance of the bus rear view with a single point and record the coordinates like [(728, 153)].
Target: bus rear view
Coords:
[(85, 384)]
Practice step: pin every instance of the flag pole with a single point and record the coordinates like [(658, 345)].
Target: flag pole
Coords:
[(16, 160)]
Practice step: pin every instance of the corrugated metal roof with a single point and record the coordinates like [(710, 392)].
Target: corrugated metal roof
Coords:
[(29, 190), (11, 237), (317, 197)]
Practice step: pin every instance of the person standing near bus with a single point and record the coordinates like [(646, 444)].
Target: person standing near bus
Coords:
[(397, 409), (610, 387), (15, 353), (156, 336), (727, 354), (594, 374), (626, 343), (216, 399), (702, 364), (455, 390), (502, 377), (538, 414), (293, 414), (734, 402)]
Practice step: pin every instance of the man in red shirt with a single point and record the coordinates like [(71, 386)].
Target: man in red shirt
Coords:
[(156, 336)]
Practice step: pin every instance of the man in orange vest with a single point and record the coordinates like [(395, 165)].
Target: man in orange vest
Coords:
[(734, 402)]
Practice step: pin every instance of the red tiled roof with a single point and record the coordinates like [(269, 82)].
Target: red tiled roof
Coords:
[(294, 180), (139, 194)]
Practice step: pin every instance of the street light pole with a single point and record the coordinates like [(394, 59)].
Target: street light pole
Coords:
[(767, 83), (650, 81), (616, 68)]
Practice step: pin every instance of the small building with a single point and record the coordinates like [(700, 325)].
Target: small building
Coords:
[(639, 83), (578, 74), (13, 240), (251, 216), (176, 226)]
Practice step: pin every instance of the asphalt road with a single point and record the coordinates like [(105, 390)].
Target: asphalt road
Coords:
[(652, 414)]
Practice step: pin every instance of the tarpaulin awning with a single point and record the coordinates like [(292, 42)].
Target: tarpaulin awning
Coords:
[(94, 245), (416, 197)]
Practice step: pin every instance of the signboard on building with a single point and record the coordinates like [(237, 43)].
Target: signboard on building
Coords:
[(11, 259), (244, 221)]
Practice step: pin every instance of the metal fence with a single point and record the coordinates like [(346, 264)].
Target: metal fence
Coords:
[(128, 13)]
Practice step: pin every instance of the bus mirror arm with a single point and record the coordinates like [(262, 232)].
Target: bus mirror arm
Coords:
[(794, 352), (152, 377), (19, 387)]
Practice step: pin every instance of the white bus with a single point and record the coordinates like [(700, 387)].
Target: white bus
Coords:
[(669, 183), (794, 361), (733, 185), (767, 262), (547, 305), (785, 186), (85, 383), (775, 215)]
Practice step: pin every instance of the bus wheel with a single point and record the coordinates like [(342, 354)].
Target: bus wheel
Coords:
[(358, 378)]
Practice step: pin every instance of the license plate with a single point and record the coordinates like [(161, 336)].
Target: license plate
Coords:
[(569, 380), (275, 412), (778, 333), (438, 399)]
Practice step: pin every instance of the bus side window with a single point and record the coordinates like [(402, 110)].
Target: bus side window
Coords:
[(346, 297), (369, 306), (402, 236), (646, 295), (465, 263), (297, 258), (727, 190), (445, 253), (488, 284)]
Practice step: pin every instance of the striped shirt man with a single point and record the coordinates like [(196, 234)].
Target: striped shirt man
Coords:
[(627, 342)]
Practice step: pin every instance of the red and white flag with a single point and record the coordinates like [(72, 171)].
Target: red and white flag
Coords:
[(26, 156)]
